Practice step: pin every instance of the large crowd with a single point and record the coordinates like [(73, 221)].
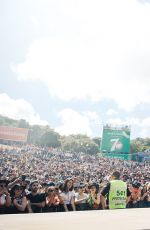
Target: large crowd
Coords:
[(36, 179)]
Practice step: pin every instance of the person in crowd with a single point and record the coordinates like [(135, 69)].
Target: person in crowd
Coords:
[(5, 199), (117, 193), (81, 198), (68, 195), (14, 182), (36, 200), (146, 197), (52, 199), (29, 162), (19, 200), (94, 197), (58, 191), (25, 185), (135, 198)]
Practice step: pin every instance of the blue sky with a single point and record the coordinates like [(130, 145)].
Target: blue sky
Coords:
[(76, 65)]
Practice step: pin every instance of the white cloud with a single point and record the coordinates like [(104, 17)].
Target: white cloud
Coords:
[(73, 123), (100, 50), (19, 109), (111, 112), (117, 121), (143, 1), (34, 21), (145, 125), (92, 115), (142, 126), (146, 122)]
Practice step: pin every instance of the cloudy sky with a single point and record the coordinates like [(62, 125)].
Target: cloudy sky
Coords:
[(76, 64)]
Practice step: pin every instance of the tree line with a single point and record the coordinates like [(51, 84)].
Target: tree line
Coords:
[(46, 136)]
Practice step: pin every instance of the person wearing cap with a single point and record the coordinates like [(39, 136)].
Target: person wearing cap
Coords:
[(36, 200), (23, 181), (52, 199), (93, 197), (16, 181), (25, 185), (5, 199), (135, 197), (117, 193), (19, 200), (81, 198)]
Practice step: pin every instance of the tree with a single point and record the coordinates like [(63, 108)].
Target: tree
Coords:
[(50, 139), (136, 146), (6, 121), (23, 124), (97, 140), (79, 143), (34, 135)]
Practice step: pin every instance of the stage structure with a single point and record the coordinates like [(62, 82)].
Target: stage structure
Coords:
[(115, 142), (124, 219), (8, 133)]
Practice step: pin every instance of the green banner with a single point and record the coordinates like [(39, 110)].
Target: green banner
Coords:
[(115, 141), (118, 156)]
